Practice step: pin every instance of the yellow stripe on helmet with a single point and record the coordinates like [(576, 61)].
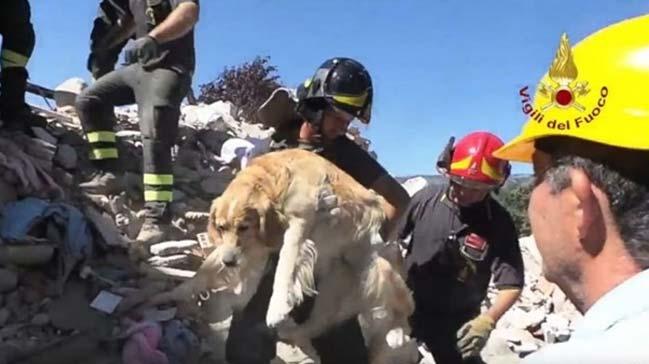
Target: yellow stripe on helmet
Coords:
[(462, 164), (490, 171), (358, 101)]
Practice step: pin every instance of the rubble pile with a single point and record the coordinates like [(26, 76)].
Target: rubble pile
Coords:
[(542, 315), (68, 291)]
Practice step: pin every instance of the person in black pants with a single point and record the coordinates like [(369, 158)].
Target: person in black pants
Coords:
[(160, 64), (18, 40)]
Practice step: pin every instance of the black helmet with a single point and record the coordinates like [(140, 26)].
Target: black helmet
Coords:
[(341, 83)]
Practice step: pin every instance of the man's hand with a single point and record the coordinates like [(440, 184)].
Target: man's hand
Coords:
[(473, 336), (143, 50), (327, 202)]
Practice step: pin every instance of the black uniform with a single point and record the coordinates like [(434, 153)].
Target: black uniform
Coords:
[(158, 88), (251, 342), (451, 257), (17, 45)]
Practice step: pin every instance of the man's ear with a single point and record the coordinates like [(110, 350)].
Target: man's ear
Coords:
[(590, 222)]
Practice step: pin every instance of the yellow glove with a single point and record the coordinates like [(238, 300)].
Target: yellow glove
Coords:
[(473, 335)]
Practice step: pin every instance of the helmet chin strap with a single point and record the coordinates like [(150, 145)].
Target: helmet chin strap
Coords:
[(453, 198)]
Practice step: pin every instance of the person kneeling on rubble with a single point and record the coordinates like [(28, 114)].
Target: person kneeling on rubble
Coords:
[(459, 237), (157, 77), (340, 91)]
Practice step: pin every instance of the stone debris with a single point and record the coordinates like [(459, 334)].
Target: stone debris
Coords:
[(69, 301), (543, 315)]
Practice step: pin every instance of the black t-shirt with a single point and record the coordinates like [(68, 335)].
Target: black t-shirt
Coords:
[(179, 52), (343, 152), (443, 278), (351, 158)]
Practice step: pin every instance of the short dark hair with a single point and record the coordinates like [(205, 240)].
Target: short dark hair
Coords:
[(622, 174)]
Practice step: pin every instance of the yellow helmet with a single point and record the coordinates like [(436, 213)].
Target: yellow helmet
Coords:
[(597, 91)]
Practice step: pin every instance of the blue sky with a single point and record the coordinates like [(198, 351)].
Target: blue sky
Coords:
[(440, 67)]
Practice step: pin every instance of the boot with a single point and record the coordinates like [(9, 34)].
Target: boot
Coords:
[(104, 182), (156, 228), (16, 115), (107, 179)]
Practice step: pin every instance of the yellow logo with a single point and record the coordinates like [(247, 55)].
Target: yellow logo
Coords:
[(565, 91)]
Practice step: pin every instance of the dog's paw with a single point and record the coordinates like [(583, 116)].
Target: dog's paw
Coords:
[(396, 338), (278, 310)]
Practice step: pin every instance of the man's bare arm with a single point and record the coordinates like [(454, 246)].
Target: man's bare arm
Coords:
[(177, 24), (505, 299)]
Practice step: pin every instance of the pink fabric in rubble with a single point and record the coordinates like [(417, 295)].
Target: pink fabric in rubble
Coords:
[(141, 345)]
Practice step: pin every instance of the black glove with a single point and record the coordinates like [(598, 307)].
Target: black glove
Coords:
[(143, 50)]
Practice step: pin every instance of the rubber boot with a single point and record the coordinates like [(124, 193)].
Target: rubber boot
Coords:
[(16, 115)]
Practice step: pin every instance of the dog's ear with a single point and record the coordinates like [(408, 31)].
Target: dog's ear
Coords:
[(271, 228), (211, 227)]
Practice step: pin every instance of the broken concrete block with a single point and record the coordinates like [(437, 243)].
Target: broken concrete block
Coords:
[(5, 314), (106, 228), (72, 311), (152, 314), (8, 192), (26, 255), (44, 135), (8, 280), (217, 182), (40, 319), (66, 93), (172, 247), (66, 156)]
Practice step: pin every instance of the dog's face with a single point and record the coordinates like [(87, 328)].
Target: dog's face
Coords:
[(244, 230)]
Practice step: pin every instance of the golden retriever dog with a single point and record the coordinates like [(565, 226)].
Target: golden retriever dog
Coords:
[(276, 205)]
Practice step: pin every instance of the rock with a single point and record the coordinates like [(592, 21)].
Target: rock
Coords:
[(72, 311), (26, 255), (8, 280), (173, 247), (216, 184), (66, 93), (179, 195), (66, 156), (44, 135), (13, 301), (106, 228), (41, 319), (8, 192), (415, 184), (5, 314)]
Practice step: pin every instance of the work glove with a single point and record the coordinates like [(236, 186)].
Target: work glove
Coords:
[(473, 335), (143, 50)]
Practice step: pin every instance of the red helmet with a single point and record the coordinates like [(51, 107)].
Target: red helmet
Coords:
[(473, 161)]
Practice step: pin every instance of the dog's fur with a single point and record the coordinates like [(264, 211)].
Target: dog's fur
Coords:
[(273, 206)]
